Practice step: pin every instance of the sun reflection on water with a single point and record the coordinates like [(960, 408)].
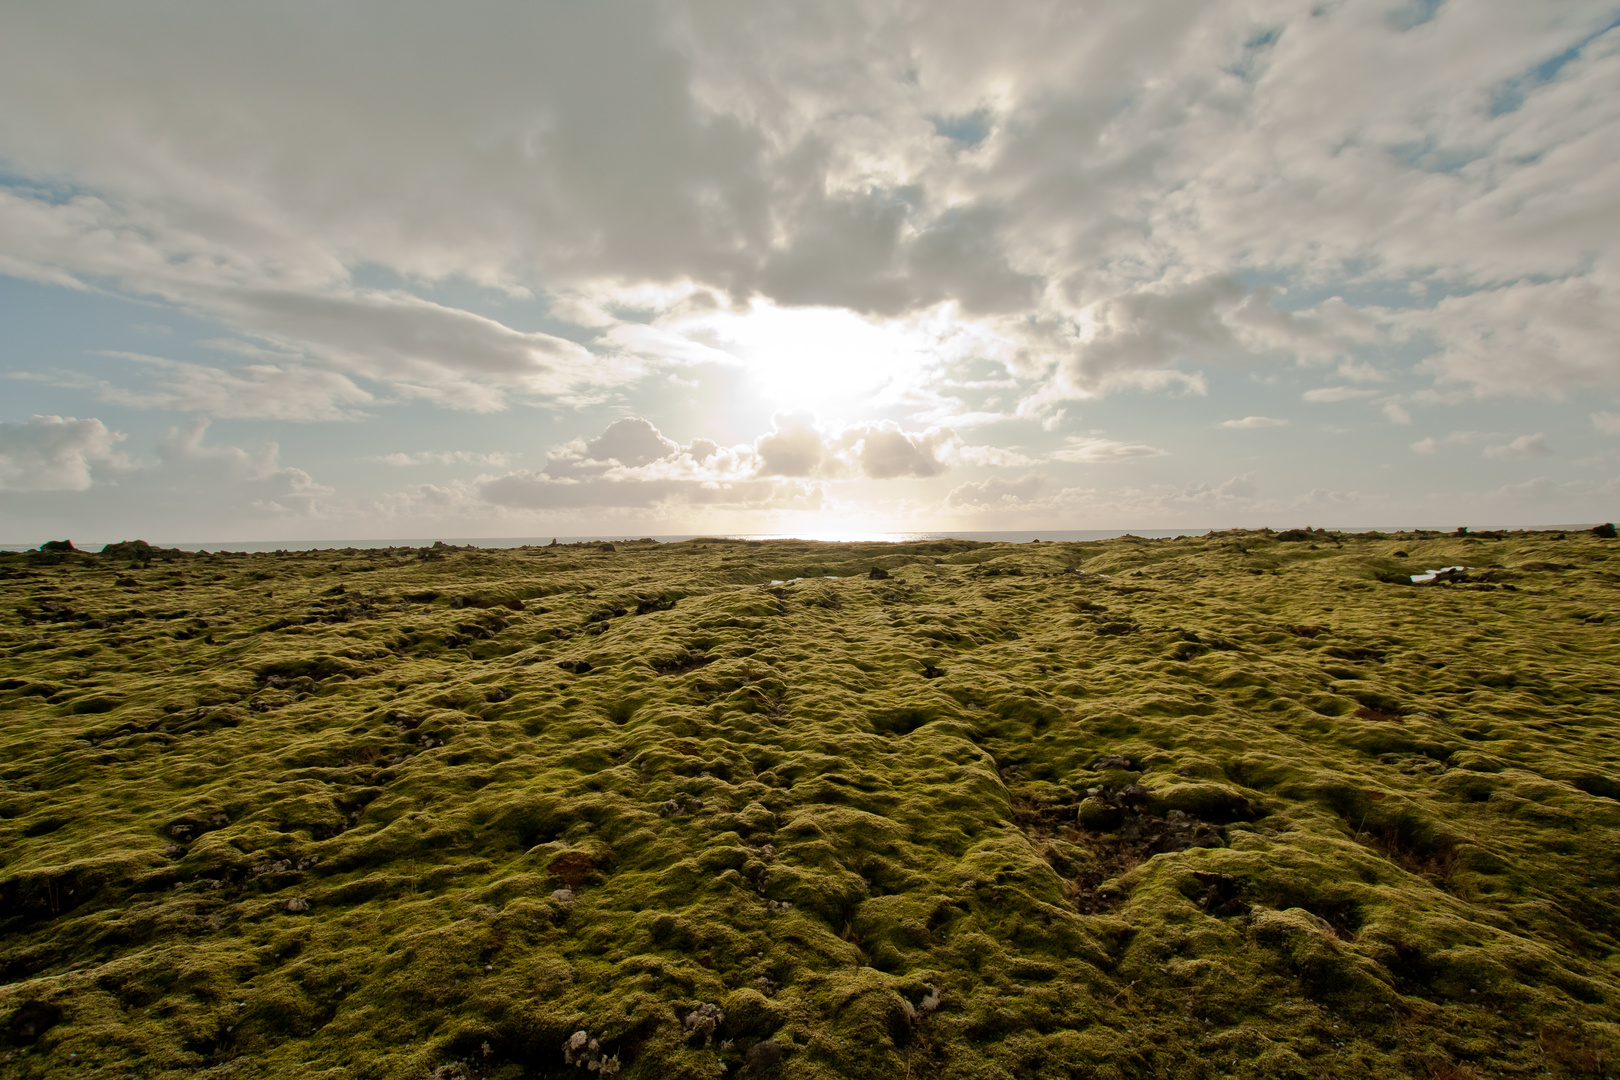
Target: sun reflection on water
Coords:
[(851, 536)]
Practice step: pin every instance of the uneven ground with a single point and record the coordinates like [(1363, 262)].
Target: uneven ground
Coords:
[(1237, 805)]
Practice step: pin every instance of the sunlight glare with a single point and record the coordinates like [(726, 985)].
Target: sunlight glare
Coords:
[(818, 358)]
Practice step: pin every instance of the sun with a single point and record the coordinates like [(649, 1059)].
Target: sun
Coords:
[(826, 360)]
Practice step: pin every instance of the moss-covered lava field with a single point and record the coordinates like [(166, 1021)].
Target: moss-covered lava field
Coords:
[(1240, 805)]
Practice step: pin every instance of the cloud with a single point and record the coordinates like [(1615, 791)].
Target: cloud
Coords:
[(1334, 394), (632, 463), (1607, 422), (1397, 414), (1150, 329), (1098, 451), (188, 489), (185, 447), (1542, 339), (1256, 422), (884, 452), (186, 458), (1525, 446), (994, 493), (881, 451), (291, 491), (55, 453), (402, 459), (537, 491), (1431, 444), (794, 448), (1118, 185), (296, 392), (1537, 490), (987, 455), (443, 353), (1238, 487), (1032, 499), (632, 442)]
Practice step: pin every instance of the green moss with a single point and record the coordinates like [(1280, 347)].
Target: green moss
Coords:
[(1004, 816)]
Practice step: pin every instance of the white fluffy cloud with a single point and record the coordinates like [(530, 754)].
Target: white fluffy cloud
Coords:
[(1255, 422), (1525, 446), (995, 493), (884, 452), (55, 453), (1331, 395), (632, 463), (1432, 444), (1100, 451), (186, 458), (794, 448)]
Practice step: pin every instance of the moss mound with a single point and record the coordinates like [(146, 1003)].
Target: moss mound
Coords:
[(1220, 806)]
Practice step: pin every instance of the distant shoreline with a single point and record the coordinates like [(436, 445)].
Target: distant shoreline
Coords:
[(898, 537)]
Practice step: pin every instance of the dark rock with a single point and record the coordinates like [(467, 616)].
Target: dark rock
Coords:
[(576, 667), (1604, 531), (762, 1056), (704, 1020), (31, 1020), (929, 671), (138, 550), (67, 545), (1133, 797), (1098, 814), (1221, 895), (877, 573)]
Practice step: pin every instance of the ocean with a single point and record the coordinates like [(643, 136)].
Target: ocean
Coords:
[(1013, 537)]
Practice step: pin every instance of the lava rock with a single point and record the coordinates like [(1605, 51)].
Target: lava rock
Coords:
[(1098, 814), (31, 1020)]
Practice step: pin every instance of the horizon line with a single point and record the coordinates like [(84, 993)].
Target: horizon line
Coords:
[(897, 536)]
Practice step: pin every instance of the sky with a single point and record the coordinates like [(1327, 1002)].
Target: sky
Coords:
[(347, 271)]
